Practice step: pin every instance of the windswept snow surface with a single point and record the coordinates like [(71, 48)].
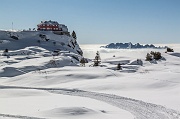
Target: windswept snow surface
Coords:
[(35, 85)]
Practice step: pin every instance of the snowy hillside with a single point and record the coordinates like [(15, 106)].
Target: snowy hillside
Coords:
[(36, 85), (44, 39)]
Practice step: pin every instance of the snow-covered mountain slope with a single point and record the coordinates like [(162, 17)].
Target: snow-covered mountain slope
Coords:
[(36, 85), (44, 39)]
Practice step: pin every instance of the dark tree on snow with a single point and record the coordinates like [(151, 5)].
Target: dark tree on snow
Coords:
[(97, 59), (119, 66), (6, 50), (169, 49), (83, 61), (149, 57), (74, 35)]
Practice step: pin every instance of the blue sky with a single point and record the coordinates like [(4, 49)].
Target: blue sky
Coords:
[(100, 21)]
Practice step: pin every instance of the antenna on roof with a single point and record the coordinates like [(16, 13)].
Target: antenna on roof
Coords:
[(12, 26)]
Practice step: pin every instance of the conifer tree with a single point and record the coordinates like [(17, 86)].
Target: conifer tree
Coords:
[(6, 50), (149, 57), (74, 35), (83, 61), (97, 59), (119, 66)]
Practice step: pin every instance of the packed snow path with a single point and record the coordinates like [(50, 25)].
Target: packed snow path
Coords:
[(140, 109), (18, 116)]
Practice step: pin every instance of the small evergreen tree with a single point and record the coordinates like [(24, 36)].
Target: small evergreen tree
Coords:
[(6, 50), (169, 49), (97, 59), (6, 53), (83, 61), (119, 66), (74, 35), (149, 57), (157, 55), (153, 55)]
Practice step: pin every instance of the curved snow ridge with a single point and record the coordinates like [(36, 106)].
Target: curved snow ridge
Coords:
[(140, 109), (18, 116)]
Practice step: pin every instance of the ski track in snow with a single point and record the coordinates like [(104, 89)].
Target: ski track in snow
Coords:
[(18, 116), (140, 109)]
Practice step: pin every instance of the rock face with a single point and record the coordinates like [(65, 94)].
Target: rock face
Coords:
[(129, 46), (45, 39)]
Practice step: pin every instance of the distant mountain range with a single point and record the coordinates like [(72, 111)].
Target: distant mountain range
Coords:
[(130, 46)]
